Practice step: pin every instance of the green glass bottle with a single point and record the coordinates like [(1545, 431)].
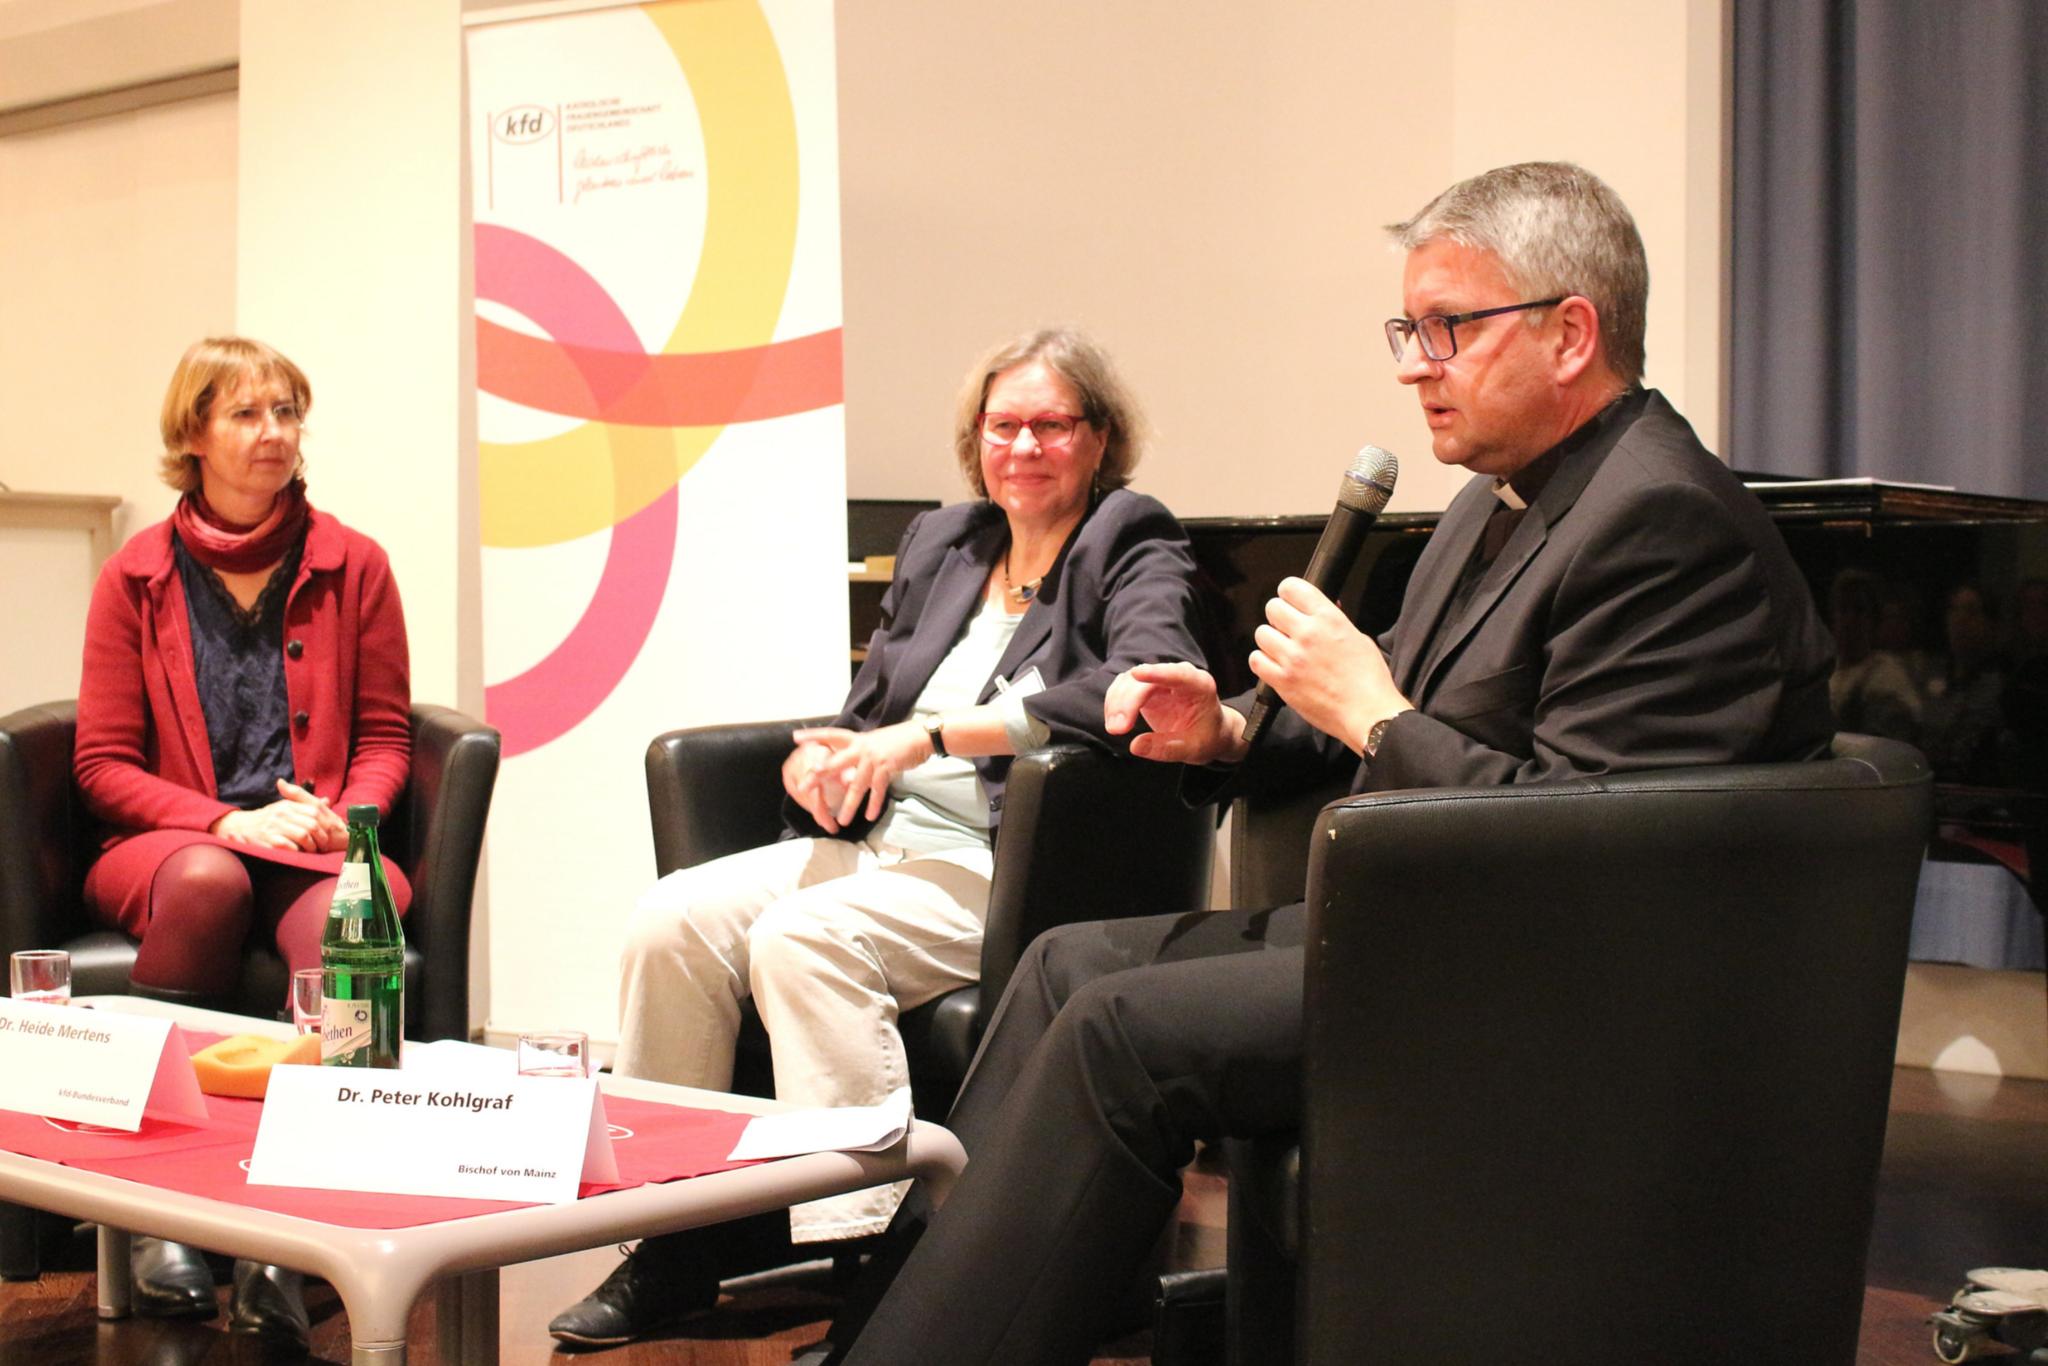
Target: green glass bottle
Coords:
[(362, 958)]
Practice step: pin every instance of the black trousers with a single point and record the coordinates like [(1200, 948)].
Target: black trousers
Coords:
[(1118, 1044)]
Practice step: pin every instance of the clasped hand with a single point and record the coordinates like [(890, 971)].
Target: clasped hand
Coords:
[(297, 820), (833, 772)]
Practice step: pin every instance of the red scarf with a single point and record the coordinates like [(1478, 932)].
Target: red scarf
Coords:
[(222, 546)]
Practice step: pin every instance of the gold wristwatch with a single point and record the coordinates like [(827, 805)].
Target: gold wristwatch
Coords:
[(1378, 732)]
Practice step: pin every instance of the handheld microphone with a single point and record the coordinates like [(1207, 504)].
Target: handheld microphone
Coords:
[(1363, 493)]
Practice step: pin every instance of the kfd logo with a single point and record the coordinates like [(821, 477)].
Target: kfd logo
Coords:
[(527, 123)]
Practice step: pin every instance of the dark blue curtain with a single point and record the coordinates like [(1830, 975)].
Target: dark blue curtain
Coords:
[(1890, 241)]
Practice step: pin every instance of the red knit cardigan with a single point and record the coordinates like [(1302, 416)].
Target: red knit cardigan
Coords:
[(142, 758)]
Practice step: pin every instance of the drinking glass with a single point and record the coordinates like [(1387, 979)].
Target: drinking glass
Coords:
[(554, 1053), (306, 999), (40, 975)]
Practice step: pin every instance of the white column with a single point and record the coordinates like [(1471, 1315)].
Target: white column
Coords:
[(353, 258)]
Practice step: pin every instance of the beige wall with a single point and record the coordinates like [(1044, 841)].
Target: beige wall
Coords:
[(1194, 183), (44, 630), (117, 249), (1202, 185), (1972, 1020), (1199, 184), (352, 258), (125, 237), (1633, 92), (63, 49)]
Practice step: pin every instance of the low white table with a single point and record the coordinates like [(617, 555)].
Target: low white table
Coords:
[(380, 1272)]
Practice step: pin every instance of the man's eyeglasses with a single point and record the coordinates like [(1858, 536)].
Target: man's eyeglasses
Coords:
[(1052, 431), (1438, 333)]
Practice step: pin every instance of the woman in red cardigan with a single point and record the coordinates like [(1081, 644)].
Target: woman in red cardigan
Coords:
[(245, 679)]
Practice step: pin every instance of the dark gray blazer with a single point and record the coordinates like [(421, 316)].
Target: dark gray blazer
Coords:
[(1121, 593), (1645, 614)]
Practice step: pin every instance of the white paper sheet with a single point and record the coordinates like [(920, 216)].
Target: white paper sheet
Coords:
[(849, 1129)]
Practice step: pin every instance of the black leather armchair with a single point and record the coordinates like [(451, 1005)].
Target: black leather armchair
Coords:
[(1083, 837), (1596, 1070), (435, 833)]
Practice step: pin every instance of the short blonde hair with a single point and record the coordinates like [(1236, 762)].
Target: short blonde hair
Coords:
[(1074, 357), (209, 369)]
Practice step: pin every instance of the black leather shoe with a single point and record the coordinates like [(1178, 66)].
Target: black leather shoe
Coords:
[(663, 1281), (270, 1301), (172, 1280)]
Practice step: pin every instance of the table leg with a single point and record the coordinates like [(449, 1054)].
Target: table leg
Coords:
[(379, 1295), (378, 1305), (116, 1289), (466, 1315)]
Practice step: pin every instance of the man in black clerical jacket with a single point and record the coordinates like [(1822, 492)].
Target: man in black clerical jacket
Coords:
[(1607, 597)]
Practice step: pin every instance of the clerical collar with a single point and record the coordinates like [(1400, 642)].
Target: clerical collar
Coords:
[(1521, 488)]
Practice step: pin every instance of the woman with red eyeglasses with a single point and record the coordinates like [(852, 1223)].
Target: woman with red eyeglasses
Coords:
[(1006, 620)]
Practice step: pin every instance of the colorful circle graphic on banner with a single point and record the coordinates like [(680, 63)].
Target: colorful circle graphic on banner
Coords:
[(645, 417)]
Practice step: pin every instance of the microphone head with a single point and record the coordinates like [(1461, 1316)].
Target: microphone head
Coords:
[(1369, 483)]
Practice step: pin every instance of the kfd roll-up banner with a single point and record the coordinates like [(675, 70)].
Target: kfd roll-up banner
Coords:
[(661, 437)]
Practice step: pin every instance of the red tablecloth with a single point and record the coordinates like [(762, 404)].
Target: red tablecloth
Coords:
[(653, 1143)]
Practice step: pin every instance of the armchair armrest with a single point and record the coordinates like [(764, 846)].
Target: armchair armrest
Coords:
[(1089, 836), (43, 829), (1269, 847), (1085, 836), (715, 790), (447, 802)]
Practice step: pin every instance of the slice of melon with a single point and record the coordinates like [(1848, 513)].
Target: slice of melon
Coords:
[(240, 1066)]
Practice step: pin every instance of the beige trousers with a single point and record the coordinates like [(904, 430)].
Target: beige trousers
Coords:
[(831, 938)]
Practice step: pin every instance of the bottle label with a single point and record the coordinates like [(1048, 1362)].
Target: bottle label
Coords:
[(344, 1028), (352, 890)]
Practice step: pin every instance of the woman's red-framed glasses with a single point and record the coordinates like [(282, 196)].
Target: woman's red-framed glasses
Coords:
[(1052, 431)]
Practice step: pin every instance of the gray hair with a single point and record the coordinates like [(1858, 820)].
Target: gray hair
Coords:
[(1556, 229), (1075, 358)]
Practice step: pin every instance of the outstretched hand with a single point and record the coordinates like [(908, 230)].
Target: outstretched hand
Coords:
[(1189, 723)]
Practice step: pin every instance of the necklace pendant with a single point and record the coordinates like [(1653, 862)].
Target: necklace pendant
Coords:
[(1025, 592)]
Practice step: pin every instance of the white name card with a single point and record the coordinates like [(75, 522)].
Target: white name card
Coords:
[(94, 1066), (380, 1130)]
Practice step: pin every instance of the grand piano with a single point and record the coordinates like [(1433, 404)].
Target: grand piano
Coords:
[(1939, 603)]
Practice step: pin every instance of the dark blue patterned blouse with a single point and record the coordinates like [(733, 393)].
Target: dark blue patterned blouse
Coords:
[(238, 657)]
